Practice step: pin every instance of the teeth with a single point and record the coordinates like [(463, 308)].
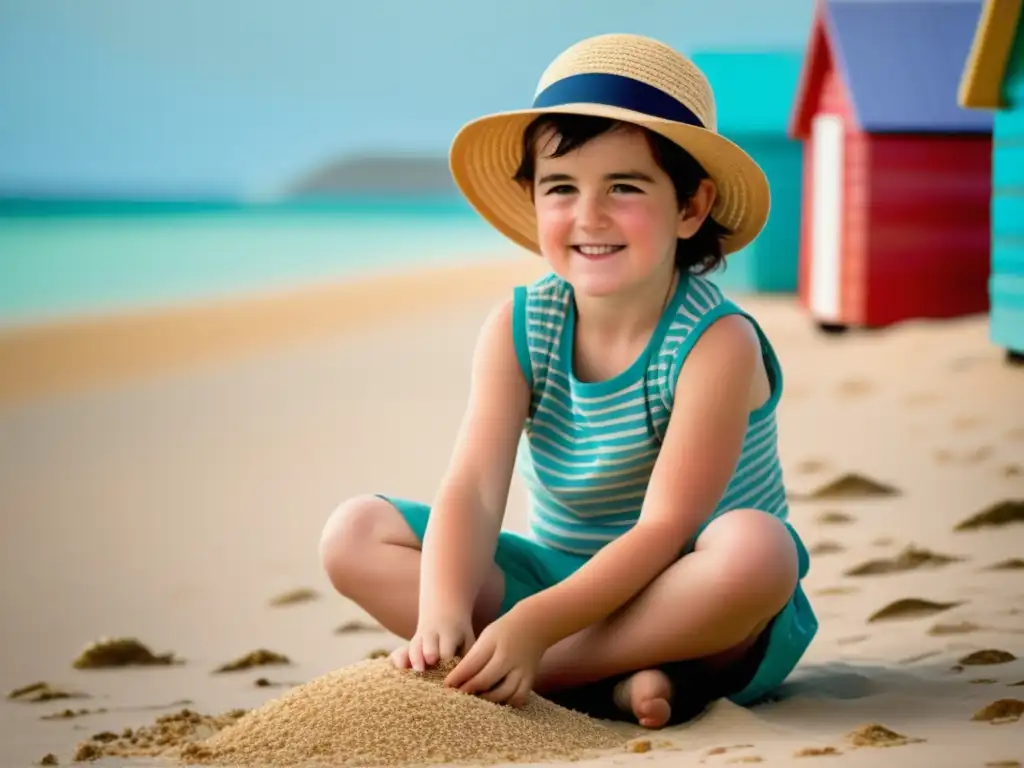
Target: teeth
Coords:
[(597, 250)]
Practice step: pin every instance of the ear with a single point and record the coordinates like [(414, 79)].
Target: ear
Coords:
[(696, 210)]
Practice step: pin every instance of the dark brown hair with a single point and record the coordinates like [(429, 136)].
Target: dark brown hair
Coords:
[(700, 253)]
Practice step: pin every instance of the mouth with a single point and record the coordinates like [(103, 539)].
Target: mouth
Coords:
[(597, 251)]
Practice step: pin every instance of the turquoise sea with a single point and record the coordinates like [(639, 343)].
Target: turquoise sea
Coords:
[(62, 259)]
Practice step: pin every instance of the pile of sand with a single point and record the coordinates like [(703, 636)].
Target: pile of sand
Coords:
[(373, 714)]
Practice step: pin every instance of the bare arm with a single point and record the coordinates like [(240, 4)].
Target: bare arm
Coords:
[(466, 517), (702, 446)]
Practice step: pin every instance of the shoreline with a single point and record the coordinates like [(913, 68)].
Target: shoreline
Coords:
[(67, 355)]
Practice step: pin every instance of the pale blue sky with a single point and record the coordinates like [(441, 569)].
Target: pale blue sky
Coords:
[(210, 97)]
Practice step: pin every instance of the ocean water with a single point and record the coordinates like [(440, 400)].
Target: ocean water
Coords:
[(71, 258)]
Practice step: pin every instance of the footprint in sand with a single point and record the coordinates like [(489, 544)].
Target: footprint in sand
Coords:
[(852, 639), (350, 627), (834, 517), (987, 657), (1000, 712), (258, 658), (1013, 564), (849, 486), (960, 628), (40, 692), (854, 388), (810, 466), (121, 652), (909, 559), (826, 547), (910, 608), (294, 597), (816, 752), (262, 682), (1015, 435), (1002, 513), (875, 735), (1013, 470), (829, 591)]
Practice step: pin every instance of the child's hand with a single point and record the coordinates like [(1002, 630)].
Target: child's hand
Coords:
[(436, 640), (503, 665)]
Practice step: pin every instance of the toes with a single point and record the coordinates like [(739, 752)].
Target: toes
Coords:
[(653, 713), (647, 694)]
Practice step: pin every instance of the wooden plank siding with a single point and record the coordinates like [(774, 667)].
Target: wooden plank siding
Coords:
[(928, 238), (1006, 285)]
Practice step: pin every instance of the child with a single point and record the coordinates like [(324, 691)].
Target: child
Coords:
[(660, 572)]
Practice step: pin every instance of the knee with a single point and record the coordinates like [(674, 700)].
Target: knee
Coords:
[(348, 536), (759, 561)]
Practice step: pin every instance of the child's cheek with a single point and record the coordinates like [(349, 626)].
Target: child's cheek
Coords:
[(636, 225), (553, 230)]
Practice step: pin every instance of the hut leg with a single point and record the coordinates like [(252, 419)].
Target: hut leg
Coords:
[(833, 328)]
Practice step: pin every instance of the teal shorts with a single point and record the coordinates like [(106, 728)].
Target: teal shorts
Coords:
[(530, 567)]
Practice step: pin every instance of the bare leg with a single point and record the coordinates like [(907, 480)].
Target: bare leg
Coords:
[(709, 605), (372, 557)]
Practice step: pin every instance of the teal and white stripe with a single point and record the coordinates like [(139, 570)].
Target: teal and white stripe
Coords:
[(588, 449)]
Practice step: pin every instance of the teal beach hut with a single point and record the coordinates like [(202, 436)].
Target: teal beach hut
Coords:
[(754, 93), (993, 79)]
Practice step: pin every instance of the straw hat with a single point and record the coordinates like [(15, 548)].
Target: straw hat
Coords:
[(625, 77)]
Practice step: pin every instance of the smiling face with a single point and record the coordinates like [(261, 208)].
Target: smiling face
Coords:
[(607, 214)]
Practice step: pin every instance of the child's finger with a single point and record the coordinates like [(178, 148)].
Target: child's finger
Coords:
[(448, 646), (518, 699), (484, 674), (416, 654), (430, 643), (467, 669), (504, 690), (400, 657)]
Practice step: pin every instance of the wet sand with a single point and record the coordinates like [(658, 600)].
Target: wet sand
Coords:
[(178, 503)]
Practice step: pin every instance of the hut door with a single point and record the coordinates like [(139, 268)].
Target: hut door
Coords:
[(827, 217)]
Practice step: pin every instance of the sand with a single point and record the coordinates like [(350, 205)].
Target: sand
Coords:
[(174, 509), (373, 714)]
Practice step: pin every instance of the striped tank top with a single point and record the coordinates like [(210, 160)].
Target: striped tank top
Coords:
[(588, 448)]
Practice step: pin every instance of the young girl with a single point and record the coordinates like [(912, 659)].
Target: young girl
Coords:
[(660, 572)]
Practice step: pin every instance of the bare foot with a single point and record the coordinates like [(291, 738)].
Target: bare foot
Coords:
[(648, 695)]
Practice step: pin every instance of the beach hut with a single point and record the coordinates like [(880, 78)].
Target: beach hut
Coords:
[(753, 99), (897, 181), (993, 79)]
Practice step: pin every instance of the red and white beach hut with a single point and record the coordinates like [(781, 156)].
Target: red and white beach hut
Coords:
[(897, 176)]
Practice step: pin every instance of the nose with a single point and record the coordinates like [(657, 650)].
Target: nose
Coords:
[(591, 213)]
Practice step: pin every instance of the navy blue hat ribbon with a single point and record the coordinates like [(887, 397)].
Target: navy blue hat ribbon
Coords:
[(615, 91)]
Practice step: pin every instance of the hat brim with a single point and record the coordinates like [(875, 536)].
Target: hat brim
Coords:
[(486, 153)]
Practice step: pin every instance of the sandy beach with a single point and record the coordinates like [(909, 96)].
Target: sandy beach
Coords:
[(174, 501)]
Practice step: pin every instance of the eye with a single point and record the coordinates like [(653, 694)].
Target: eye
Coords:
[(560, 189), (627, 188)]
